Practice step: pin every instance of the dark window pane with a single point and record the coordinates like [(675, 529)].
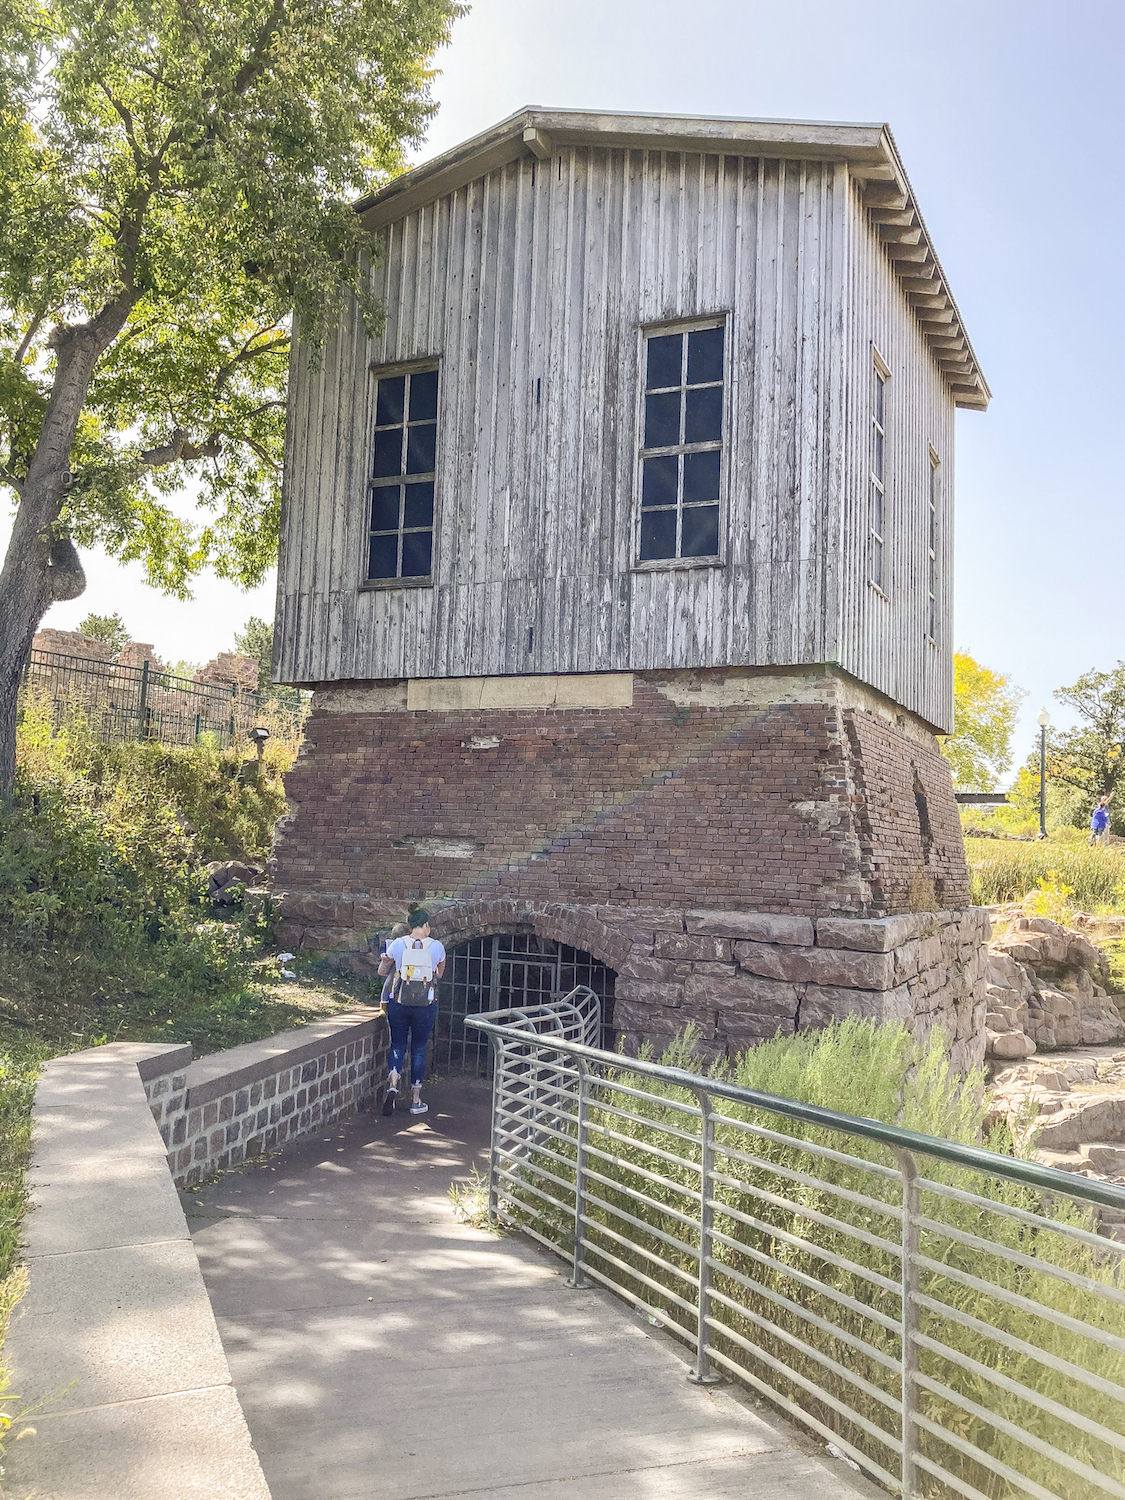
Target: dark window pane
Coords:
[(658, 484), (704, 356), (877, 509), (423, 396), (662, 420), (658, 534), (701, 477), (421, 449), (664, 361), (416, 554), (419, 509), (704, 420), (700, 531), (384, 508), (388, 408), (877, 458), (880, 400), (388, 453), (384, 557)]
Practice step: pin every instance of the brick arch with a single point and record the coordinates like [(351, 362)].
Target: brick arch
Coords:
[(457, 922)]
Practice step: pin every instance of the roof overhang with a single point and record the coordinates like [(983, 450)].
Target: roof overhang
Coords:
[(869, 152)]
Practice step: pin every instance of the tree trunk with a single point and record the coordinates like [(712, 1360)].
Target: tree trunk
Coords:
[(42, 567)]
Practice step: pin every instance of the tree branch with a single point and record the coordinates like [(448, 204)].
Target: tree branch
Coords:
[(25, 343)]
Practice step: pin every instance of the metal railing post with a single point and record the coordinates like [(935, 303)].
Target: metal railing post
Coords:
[(703, 1374), (493, 1144), (577, 1279), (142, 709), (910, 1239)]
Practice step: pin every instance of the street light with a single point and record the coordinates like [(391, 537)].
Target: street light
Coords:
[(1042, 718)]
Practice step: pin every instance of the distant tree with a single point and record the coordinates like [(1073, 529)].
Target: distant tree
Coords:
[(175, 179), (1089, 759), (256, 639), (985, 705), (107, 628)]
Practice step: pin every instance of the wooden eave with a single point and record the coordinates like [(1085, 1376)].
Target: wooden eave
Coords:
[(869, 152)]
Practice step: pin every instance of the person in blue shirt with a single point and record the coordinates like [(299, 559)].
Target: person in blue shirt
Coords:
[(1099, 822)]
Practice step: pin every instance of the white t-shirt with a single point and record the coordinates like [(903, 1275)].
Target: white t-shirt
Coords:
[(398, 947)]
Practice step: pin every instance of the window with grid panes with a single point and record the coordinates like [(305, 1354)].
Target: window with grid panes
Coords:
[(932, 569), (403, 469), (878, 477), (681, 457)]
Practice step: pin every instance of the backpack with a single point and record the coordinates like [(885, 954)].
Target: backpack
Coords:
[(415, 983)]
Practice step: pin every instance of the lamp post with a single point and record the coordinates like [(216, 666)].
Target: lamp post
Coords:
[(1042, 718)]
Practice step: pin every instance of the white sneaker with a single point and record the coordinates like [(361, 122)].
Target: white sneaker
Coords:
[(418, 1108)]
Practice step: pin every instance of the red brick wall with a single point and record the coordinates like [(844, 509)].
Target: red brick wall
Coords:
[(799, 808)]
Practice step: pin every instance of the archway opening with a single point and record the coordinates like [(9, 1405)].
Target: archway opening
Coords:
[(492, 973)]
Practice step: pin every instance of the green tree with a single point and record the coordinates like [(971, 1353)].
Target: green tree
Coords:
[(985, 705), (256, 639), (1088, 759), (175, 178), (108, 628)]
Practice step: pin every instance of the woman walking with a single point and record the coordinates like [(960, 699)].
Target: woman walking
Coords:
[(418, 961)]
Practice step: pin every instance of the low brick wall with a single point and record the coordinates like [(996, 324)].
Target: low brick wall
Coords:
[(214, 1113)]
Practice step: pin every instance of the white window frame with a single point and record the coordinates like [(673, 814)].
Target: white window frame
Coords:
[(657, 330), (878, 501)]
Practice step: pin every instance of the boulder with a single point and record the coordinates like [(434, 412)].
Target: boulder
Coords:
[(226, 879)]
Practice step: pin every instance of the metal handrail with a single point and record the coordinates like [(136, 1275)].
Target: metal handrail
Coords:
[(976, 1158), (847, 1311)]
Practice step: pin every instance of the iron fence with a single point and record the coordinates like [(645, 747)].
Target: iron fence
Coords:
[(947, 1316), (140, 703)]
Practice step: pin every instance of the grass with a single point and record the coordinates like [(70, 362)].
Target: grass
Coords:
[(772, 1275), (1001, 872)]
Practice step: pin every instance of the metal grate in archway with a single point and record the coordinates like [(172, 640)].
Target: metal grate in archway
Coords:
[(492, 973)]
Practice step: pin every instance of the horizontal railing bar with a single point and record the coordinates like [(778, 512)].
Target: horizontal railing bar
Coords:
[(619, 1213), (681, 1302), (861, 1346), (986, 1460), (826, 1221), (1023, 1215), (1021, 1346), (536, 1128), (529, 1166), (892, 1325), (1027, 1262), (594, 1224), (656, 1313), (627, 1114), (849, 1195), (962, 1486), (1020, 1435), (976, 1158), (799, 1143), (893, 1403), (598, 1082), (1025, 1304), (654, 1177), (630, 1140), (1023, 1392), (529, 1187), (804, 1418), (673, 1213), (880, 1434)]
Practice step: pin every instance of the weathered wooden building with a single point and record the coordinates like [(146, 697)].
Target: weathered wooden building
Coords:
[(620, 561)]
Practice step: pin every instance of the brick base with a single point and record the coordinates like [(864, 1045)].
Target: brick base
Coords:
[(718, 838)]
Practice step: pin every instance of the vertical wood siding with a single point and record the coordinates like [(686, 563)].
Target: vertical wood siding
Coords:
[(532, 285), (883, 641)]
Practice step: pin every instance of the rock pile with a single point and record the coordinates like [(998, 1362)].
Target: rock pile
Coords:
[(1073, 1111), (1047, 987)]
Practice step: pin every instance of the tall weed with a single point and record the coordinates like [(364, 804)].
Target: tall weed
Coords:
[(1002, 872)]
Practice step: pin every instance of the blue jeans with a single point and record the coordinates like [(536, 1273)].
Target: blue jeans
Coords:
[(411, 1026)]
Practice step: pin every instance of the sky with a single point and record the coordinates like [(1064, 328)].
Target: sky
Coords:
[(1010, 121)]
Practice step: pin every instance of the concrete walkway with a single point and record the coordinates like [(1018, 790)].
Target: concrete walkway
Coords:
[(382, 1350)]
